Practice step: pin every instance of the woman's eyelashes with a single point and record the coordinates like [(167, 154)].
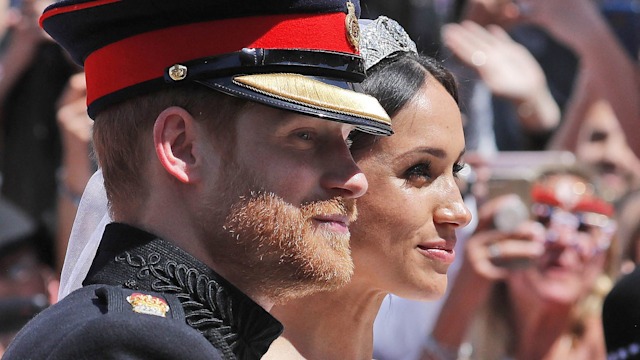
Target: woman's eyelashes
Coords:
[(419, 172), (423, 171)]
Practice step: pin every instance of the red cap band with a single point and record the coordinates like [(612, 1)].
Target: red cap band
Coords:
[(146, 56)]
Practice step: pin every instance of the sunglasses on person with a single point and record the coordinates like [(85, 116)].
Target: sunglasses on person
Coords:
[(589, 220)]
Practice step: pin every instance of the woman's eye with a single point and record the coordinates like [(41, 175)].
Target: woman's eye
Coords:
[(419, 171)]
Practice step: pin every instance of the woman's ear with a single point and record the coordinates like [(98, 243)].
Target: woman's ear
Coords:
[(174, 136)]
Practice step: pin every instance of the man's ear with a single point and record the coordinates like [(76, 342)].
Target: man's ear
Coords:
[(174, 135)]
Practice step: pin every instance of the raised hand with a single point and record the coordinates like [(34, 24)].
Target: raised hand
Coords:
[(508, 69)]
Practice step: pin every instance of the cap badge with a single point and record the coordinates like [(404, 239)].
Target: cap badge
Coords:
[(351, 23), (147, 304), (178, 72)]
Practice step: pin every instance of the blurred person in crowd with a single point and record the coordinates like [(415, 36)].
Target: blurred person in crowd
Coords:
[(34, 72), (27, 280), (601, 119), (607, 75), (602, 144), (598, 134), (543, 279), (197, 141), (403, 241)]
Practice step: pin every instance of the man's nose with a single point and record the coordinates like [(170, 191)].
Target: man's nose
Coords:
[(343, 177)]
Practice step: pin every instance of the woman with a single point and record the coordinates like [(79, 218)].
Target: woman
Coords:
[(403, 240), (548, 307)]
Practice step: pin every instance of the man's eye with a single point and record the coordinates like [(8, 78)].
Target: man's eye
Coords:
[(304, 135)]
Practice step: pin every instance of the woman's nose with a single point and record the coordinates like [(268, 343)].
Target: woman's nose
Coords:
[(453, 210)]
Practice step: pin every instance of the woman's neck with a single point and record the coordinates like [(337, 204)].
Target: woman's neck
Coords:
[(328, 325)]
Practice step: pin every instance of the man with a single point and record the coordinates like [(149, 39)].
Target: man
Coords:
[(223, 205)]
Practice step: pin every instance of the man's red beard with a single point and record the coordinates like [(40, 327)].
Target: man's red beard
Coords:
[(283, 252)]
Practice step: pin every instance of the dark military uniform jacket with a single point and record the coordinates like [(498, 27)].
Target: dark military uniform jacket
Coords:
[(145, 298)]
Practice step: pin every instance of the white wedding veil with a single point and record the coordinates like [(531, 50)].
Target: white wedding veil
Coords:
[(88, 226)]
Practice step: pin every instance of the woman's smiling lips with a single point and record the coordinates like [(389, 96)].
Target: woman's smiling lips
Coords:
[(337, 222), (441, 250)]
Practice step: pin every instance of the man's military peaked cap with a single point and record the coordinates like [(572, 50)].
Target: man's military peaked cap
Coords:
[(297, 55)]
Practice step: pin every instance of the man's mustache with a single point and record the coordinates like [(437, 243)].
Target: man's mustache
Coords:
[(335, 206)]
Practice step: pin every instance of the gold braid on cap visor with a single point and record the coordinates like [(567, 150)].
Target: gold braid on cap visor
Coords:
[(316, 94)]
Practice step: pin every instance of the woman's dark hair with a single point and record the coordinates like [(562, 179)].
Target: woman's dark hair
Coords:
[(396, 79)]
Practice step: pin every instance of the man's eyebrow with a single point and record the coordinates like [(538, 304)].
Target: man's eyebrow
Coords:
[(287, 117)]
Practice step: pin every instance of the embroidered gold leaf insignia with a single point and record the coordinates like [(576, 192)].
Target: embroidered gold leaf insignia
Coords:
[(147, 304), (351, 23)]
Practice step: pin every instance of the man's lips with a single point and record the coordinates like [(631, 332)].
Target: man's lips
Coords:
[(337, 222)]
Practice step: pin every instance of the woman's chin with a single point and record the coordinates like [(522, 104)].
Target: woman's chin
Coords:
[(429, 289)]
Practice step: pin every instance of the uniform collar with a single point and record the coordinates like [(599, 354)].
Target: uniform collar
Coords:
[(230, 320)]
